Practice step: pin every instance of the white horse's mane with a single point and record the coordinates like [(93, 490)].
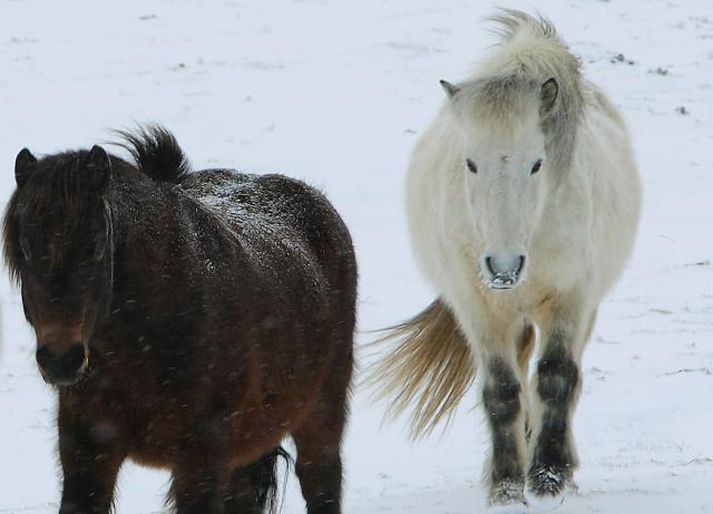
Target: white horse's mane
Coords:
[(529, 53)]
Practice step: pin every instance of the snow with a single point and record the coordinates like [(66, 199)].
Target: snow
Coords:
[(336, 92)]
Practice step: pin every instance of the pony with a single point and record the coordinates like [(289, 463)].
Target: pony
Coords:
[(189, 320), (523, 201)]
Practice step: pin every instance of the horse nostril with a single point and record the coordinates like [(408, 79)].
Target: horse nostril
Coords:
[(499, 264), (64, 366), (44, 356), (489, 265)]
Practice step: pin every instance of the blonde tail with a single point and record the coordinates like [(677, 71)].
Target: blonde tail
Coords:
[(428, 365)]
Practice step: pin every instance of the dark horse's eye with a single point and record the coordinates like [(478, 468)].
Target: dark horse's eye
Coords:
[(99, 251), (471, 166), (536, 167)]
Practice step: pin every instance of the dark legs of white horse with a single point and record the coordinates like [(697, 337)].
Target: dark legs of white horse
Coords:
[(501, 400), (506, 409), (534, 457), (553, 457)]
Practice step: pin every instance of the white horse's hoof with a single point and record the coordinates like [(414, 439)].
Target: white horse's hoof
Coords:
[(546, 488), (544, 502), (507, 498)]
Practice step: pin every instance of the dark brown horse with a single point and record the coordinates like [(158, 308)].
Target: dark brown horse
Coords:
[(189, 320)]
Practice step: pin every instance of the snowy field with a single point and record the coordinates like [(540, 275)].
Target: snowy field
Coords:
[(336, 92)]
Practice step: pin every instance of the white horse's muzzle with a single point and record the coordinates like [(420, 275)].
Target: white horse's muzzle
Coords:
[(503, 273)]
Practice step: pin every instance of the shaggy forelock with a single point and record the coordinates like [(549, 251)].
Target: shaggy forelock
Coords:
[(506, 88), (498, 102)]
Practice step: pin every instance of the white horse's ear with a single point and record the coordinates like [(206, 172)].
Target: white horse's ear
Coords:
[(548, 95), (449, 88)]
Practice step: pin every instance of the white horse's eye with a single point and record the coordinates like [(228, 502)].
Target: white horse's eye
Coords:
[(471, 166), (536, 167)]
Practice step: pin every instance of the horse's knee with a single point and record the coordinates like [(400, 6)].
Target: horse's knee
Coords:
[(557, 376), (501, 393)]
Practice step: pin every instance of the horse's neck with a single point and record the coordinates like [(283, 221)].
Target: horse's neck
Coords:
[(146, 228)]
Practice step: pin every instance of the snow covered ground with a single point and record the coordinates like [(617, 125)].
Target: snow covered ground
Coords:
[(336, 92)]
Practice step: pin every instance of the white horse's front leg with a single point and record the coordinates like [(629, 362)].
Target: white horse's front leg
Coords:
[(505, 411), (505, 406), (556, 388)]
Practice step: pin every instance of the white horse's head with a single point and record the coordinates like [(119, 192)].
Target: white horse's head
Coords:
[(506, 168)]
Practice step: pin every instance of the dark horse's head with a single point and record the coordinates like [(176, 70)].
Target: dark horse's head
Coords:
[(58, 246)]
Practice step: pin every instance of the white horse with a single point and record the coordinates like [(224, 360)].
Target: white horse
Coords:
[(523, 202)]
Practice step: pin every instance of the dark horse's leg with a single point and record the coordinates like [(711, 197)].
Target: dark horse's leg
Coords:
[(198, 488), (91, 456), (319, 463), (318, 442), (557, 384), (252, 488), (202, 471)]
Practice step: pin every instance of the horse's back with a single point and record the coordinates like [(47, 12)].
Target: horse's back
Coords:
[(280, 217)]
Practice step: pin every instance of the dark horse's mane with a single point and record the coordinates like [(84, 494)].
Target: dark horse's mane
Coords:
[(155, 152)]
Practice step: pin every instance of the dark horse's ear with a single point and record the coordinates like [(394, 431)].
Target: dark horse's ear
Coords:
[(449, 88), (24, 166), (548, 95), (98, 166)]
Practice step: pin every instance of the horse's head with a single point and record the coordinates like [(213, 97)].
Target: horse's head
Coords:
[(58, 245), (505, 164)]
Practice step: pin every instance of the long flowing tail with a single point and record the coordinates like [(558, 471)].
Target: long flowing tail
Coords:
[(427, 369)]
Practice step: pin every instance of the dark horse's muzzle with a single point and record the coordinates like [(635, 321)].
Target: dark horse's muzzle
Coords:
[(64, 366)]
